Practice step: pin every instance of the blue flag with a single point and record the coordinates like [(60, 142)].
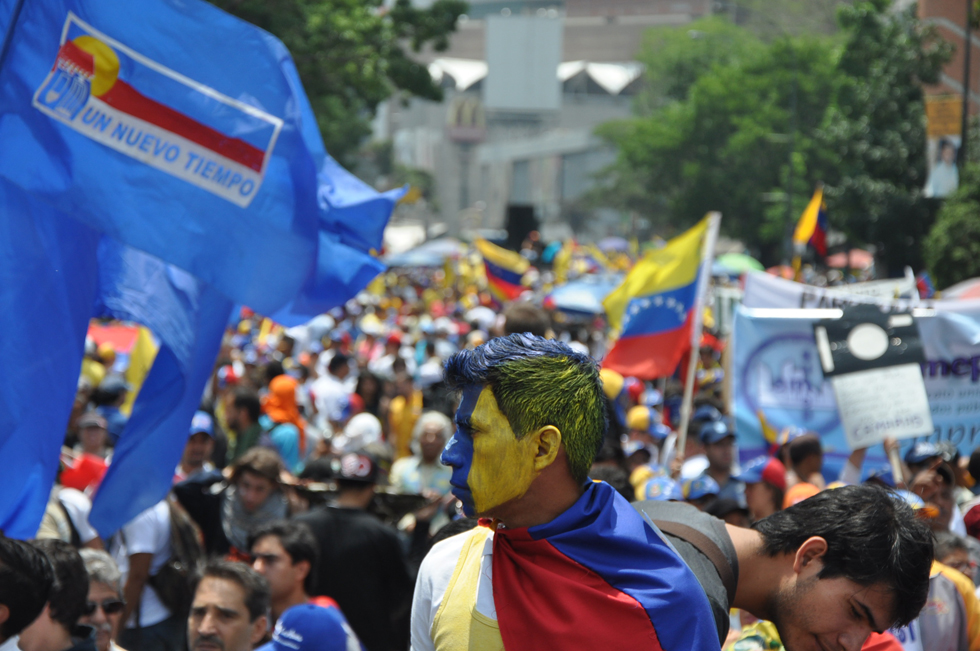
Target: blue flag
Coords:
[(170, 126), (188, 317), (160, 161)]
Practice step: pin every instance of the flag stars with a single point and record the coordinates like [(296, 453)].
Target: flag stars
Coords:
[(671, 302), (658, 301)]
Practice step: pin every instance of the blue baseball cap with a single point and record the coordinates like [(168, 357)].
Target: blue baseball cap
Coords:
[(307, 627), (701, 487), (202, 422), (707, 413), (664, 489), (714, 431), (764, 469), (882, 475), (922, 452)]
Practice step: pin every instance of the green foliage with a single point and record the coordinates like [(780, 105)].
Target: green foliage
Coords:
[(351, 55), (736, 126), (875, 131), (952, 249), (726, 146)]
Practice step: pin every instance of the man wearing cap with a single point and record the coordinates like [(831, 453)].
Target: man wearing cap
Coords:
[(361, 565), (701, 491), (110, 395), (285, 553), (559, 562), (765, 486), (198, 449), (93, 436), (718, 440)]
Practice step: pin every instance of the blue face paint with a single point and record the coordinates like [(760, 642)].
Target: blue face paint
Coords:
[(458, 453)]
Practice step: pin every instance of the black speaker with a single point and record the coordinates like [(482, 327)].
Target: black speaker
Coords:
[(520, 222)]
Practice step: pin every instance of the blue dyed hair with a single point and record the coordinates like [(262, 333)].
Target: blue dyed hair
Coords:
[(539, 382)]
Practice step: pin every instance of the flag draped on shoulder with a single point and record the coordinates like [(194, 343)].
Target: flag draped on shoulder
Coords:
[(597, 576), (504, 269), (160, 163), (653, 310)]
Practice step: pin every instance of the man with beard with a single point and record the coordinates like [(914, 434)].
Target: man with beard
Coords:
[(104, 607), (229, 609)]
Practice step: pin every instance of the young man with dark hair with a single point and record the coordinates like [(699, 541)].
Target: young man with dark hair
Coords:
[(242, 415), (806, 459), (826, 572), (56, 628), (562, 562), (285, 553), (25, 584), (229, 609), (523, 317)]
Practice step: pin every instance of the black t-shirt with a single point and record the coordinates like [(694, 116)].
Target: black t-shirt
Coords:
[(362, 567), (702, 566)]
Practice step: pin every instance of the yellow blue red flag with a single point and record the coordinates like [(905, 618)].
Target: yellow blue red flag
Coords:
[(653, 309), (504, 270)]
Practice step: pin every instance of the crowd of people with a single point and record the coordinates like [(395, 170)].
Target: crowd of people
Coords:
[(424, 468)]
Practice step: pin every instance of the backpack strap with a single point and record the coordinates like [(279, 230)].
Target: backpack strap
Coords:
[(706, 546)]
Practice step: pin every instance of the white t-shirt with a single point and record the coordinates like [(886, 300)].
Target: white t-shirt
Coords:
[(435, 574), (147, 533), (331, 398)]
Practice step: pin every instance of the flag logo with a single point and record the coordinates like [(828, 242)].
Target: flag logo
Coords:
[(107, 92)]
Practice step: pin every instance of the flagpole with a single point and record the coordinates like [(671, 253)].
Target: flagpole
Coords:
[(707, 255)]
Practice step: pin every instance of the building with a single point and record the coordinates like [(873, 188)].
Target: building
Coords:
[(526, 83)]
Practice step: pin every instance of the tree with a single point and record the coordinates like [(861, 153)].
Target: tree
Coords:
[(876, 130), (952, 249), (726, 145), (351, 55)]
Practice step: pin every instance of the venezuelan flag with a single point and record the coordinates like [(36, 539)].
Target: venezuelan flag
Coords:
[(504, 270), (596, 577), (653, 309), (812, 227)]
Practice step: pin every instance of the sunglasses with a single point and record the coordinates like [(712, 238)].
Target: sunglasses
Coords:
[(109, 607)]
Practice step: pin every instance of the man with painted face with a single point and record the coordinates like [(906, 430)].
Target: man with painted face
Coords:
[(559, 561)]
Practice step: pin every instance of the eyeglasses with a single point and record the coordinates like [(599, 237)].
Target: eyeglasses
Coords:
[(966, 567), (109, 607)]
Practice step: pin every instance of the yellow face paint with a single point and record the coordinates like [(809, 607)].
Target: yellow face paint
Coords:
[(490, 466), (503, 467)]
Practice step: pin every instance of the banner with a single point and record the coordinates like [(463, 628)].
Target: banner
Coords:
[(766, 290), (777, 371)]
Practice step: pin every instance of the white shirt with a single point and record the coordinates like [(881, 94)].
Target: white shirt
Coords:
[(331, 397), (11, 644), (434, 575), (147, 533)]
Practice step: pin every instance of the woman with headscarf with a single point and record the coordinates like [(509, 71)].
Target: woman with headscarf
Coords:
[(286, 428)]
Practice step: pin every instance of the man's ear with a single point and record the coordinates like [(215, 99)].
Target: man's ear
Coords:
[(259, 628), (4, 614), (303, 567), (548, 441), (809, 557)]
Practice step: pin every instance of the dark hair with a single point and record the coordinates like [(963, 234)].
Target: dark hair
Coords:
[(872, 537), (611, 452), (254, 584), (526, 317), (454, 528), (539, 382), (260, 461), (296, 539), (25, 584), (615, 477), (974, 465), (70, 588), (273, 370), (947, 542), (338, 361), (248, 400), (804, 447)]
